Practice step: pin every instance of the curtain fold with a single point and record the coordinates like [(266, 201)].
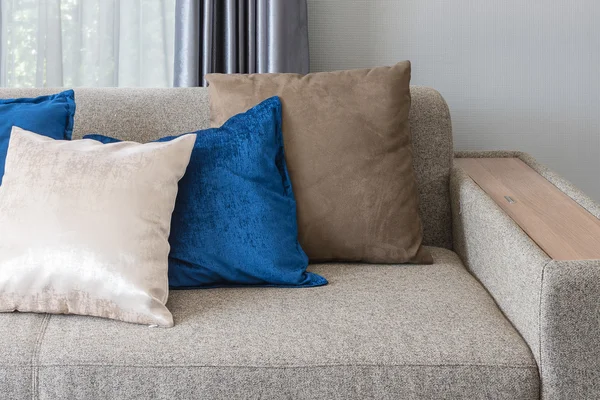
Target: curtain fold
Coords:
[(239, 36)]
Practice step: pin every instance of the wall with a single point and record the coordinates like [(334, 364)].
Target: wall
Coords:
[(517, 74)]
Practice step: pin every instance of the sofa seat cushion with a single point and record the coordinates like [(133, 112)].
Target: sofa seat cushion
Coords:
[(19, 336), (377, 331)]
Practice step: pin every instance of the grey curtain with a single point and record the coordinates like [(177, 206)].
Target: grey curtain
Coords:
[(239, 36)]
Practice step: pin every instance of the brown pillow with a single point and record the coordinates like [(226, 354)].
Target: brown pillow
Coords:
[(348, 151)]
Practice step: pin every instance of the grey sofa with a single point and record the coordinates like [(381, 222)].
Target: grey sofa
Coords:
[(492, 318)]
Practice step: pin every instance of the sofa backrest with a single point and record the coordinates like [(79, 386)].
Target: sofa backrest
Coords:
[(146, 114)]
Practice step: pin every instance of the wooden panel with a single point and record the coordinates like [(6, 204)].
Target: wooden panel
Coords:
[(560, 226)]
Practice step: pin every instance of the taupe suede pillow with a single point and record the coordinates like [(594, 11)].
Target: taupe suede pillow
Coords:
[(348, 150)]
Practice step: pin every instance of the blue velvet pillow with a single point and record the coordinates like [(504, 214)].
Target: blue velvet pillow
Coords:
[(50, 116), (234, 221)]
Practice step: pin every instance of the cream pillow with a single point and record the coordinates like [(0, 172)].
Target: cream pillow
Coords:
[(84, 226)]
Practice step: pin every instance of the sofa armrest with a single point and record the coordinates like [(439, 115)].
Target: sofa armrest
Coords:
[(561, 183), (555, 305)]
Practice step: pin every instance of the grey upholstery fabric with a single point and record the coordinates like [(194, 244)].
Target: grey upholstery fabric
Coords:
[(141, 115), (431, 129), (20, 335), (326, 382), (554, 305), (146, 114), (570, 330), (499, 254), (409, 331)]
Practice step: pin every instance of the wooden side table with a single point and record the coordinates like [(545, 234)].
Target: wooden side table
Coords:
[(560, 226)]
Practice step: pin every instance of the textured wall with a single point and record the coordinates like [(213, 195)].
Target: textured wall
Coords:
[(517, 74)]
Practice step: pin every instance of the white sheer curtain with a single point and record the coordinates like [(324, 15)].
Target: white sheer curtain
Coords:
[(53, 43)]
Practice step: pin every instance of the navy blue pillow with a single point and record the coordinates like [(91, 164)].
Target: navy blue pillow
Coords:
[(234, 221), (50, 116)]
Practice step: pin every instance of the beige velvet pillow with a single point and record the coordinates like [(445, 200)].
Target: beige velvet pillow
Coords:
[(84, 226), (348, 150)]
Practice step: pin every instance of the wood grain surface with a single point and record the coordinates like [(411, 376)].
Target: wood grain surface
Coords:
[(560, 226)]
